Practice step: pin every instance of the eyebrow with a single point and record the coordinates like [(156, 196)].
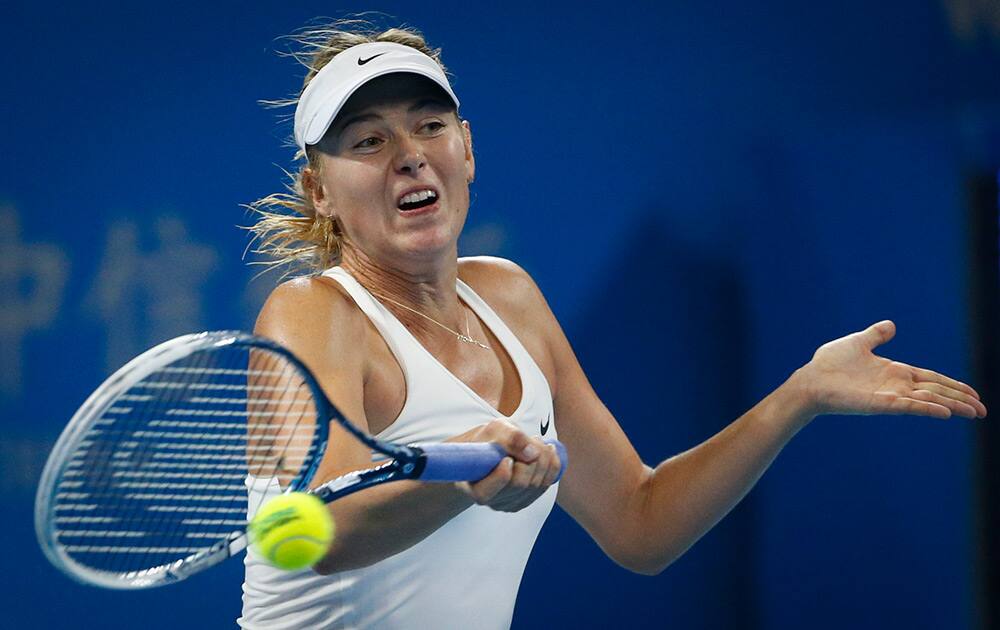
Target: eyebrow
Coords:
[(421, 104)]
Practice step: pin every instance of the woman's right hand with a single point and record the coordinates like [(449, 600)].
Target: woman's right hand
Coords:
[(531, 466)]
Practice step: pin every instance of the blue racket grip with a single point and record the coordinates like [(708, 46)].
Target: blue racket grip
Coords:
[(470, 461)]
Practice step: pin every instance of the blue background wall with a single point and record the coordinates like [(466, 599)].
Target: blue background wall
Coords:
[(705, 193)]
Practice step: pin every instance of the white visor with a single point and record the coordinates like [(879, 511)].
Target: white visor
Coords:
[(327, 92)]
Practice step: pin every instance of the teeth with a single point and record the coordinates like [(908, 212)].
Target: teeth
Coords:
[(420, 195)]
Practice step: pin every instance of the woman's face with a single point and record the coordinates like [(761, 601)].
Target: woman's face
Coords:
[(395, 168)]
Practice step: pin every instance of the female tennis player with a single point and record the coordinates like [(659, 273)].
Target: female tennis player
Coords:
[(413, 343)]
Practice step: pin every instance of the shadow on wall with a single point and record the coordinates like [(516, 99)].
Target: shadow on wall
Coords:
[(664, 340)]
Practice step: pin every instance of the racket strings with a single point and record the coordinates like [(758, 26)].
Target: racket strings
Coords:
[(165, 471), (130, 448)]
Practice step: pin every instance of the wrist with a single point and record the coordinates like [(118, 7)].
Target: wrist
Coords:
[(796, 400)]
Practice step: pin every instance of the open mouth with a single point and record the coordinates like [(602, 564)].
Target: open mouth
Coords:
[(417, 200)]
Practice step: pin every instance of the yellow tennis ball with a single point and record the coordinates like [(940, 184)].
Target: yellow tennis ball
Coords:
[(293, 531)]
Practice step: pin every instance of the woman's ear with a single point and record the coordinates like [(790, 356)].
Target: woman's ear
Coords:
[(314, 191), (470, 159)]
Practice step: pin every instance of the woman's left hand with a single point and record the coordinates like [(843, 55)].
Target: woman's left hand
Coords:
[(846, 377)]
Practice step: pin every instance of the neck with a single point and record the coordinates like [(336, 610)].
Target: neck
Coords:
[(428, 289)]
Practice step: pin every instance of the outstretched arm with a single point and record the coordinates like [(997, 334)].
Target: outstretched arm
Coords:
[(644, 518)]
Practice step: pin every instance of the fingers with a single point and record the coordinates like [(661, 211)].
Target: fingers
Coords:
[(517, 443), (525, 474), (555, 466), (895, 404), (955, 395), (510, 487), (487, 488), (959, 402), (931, 376), (536, 474), (514, 503)]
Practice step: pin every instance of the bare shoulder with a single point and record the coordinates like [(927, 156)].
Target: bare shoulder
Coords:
[(504, 284), (309, 310), (513, 294)]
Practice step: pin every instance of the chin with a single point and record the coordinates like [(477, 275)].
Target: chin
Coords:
[(430, 245)]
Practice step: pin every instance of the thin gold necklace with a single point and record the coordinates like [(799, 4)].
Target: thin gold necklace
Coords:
[(466, 337)]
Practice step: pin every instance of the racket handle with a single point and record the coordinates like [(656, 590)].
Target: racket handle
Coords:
[(470, 461)]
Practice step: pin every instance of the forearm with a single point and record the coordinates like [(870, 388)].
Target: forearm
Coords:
[(384, 520), (686, 495)]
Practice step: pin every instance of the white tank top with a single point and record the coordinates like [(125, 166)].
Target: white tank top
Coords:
[(464, 575)]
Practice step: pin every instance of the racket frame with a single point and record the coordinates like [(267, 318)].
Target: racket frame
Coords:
[(405, 462)]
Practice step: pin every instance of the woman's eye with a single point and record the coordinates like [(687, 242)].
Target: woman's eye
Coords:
[(368, 143), (434, 125)]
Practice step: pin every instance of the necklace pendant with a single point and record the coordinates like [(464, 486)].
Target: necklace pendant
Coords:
[(468, 339)]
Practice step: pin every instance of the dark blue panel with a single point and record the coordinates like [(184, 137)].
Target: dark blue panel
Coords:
[(706, 193)]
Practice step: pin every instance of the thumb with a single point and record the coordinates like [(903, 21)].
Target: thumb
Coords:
[(879, 333)]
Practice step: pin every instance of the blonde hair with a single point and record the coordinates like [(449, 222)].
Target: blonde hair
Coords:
[(289, 233)]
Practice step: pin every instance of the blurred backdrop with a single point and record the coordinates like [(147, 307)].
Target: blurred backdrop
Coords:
[(706, 192)]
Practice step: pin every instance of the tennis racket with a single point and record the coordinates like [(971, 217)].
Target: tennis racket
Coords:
[(152, 479)]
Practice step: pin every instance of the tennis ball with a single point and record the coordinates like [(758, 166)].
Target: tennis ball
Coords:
[(293, 531)]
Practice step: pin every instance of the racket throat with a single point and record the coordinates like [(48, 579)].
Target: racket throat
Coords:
[(393, 470)]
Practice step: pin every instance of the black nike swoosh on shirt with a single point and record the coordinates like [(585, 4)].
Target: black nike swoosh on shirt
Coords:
[(545, 426), (362, 62)]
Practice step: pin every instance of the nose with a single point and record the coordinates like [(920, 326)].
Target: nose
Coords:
[(409, 158)]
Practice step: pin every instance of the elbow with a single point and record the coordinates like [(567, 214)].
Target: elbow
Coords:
[(636, 546), (325, 567), (644, 564), (332, 564), (641, 553), (328, 564), (339, 557), (652, 570)]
